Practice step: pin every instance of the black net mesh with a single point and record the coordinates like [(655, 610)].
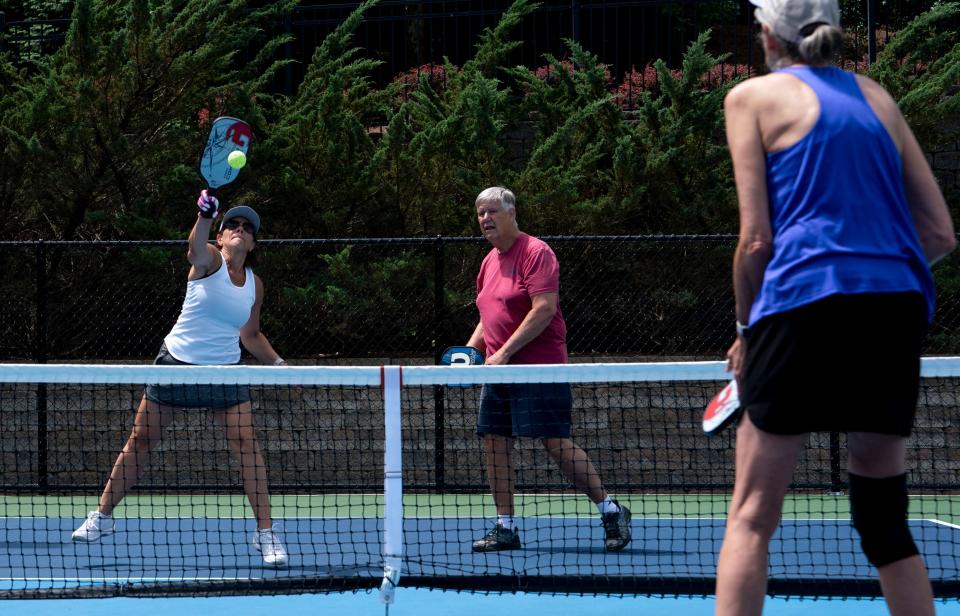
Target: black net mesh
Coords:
[(309, 460)]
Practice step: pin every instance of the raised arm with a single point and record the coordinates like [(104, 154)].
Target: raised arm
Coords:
[(204, 258)]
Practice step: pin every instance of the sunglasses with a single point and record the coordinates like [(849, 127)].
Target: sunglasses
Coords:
[(234, 224)]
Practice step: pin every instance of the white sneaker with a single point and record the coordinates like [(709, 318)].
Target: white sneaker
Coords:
[(268, 543), (95, 526)]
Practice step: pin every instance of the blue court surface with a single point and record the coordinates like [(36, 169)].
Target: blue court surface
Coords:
[(418, 602), (36, 552)]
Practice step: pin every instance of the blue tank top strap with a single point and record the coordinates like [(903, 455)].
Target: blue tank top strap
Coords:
[(826, 80), (841, 100)]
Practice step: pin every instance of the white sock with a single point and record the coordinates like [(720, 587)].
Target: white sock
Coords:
[(506, 521), (607, 506)]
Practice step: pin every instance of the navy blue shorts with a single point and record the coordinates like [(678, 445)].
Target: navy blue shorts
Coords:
[(538, 410), (846, 363), (193, 396)]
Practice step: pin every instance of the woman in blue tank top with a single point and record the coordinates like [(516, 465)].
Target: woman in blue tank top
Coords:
[(840, 220), (221, 310)]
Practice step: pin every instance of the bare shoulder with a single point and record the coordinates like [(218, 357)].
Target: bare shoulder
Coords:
[(757, 91), (883, 105), (867, 84), (741, 94), (874, 92)]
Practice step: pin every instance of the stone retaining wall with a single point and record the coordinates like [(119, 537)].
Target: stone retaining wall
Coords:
[(641, 438)]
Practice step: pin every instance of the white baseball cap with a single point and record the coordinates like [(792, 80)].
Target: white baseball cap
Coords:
[(788, 17), (243, 211)]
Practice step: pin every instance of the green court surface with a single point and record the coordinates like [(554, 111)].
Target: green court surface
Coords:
[(803, 507)]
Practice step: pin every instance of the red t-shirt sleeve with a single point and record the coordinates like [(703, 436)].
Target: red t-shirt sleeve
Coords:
[(541, 272)]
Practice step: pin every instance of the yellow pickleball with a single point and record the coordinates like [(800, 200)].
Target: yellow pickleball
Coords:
[(237, 159)]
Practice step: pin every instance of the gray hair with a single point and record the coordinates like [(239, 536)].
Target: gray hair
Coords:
[(819, 46), (501, 195)]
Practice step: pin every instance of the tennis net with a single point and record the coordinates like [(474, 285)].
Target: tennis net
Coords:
[(376, 476)]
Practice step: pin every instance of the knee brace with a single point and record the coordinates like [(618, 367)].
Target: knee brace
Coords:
[(879, 511)]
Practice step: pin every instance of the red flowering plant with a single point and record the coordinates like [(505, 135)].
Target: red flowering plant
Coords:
[(206, 116), (635, 82), (551, 72), (723, 73), (551, 92), (406, 82)]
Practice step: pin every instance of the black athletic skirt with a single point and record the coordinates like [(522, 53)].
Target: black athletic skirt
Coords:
[(846, 363), (184, 395)]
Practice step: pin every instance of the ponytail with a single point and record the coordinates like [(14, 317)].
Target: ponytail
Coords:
[(820, 44)]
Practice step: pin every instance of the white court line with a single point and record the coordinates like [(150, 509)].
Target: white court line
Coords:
[(942, 523)]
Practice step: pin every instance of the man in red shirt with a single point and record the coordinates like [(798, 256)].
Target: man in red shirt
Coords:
[(518, 293)]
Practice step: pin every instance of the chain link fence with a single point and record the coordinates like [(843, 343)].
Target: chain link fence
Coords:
[(327, 301)]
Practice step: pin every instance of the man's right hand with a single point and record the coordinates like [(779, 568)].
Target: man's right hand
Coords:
[(500, 358)]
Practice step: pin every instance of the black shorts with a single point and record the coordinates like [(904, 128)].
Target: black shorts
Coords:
[(193, 396), (846, 363), (537, 410)]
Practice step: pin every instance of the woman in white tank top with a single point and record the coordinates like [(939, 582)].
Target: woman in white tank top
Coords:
[(221, 309)]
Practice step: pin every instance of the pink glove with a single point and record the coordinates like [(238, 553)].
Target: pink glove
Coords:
[(208, 205)]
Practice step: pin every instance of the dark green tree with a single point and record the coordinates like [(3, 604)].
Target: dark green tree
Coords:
[(104, 134), (671, 172), (101, 137), (920, 67), (317, 149), (575, 123), (443, 145)]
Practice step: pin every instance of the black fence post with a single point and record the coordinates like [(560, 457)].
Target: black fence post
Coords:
[(575, 20), (438, 344), (3, 26), (871, 31), (40, 357)]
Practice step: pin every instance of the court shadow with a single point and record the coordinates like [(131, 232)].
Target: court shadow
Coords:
[(292, 570), (601, 550), (19, 545)]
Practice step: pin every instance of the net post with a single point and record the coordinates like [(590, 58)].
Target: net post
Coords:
[(439, 471), (40, 357), (391, 381), (438, 400)]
